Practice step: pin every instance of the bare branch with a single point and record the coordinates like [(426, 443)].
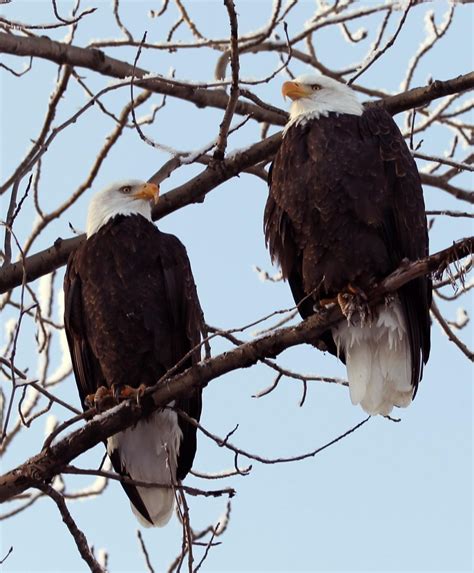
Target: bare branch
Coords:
[(194, 491), (418, 97), (12, 213), (161, 11), (10, 24), (15, 73), (209, 545), (2, 561), (427, 45), (220, 475), (51, 461), (441, 183), (186, 18), (195, 189), (449, 332), (145, 552), (39, 264), (55, 98), (123, 29), (96, 60), (378, 53), (234, 89), (78, 535), (444, 161), (449, 213), (239, 451)]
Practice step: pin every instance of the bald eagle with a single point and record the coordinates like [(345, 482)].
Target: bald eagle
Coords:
[(131, 314), (345, 208)]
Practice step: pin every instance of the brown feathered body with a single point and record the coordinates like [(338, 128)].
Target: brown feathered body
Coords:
[(131, 314), (345, 208)]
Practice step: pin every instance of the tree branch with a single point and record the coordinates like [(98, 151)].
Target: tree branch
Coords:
[(441, 183), (42, 467), (39, 264), (77, 534), (418, 97), (450, 334), (95, 60), (195, 189), (234, 89)]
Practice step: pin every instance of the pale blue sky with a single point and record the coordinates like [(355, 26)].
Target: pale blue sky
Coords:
[(391, 497)]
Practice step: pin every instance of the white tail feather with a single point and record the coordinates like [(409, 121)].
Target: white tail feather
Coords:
[(378, 360), (148, 453)]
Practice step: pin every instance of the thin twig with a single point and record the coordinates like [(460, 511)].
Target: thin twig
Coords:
[(376, 55), (14, 72), (449, 332), (220, 475), (78, 535), (145, 552), (2, 561), (449, 213), (194, 491), (50, 462), (220, 442), (15, 25), (209, 545), (120, 24), (234, 88), (445, 161)]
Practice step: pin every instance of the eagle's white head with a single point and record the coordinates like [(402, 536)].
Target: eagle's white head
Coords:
[(315, 95), (130, 197)]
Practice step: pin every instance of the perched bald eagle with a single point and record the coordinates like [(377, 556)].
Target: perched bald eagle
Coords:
[(345, 207), (131, 314)]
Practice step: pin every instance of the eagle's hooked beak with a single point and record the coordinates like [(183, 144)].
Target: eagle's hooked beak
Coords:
[(294, 90), (149, 192)]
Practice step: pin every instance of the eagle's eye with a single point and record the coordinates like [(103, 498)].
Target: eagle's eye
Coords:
[(126, 189), (315, 87)]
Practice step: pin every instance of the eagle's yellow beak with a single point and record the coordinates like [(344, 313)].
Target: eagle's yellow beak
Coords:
[(148, 191), (294, 90)]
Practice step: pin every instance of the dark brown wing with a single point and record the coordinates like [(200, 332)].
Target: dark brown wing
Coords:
[(188, 318), (346, 206), (405, 229), (86, 367), (131, 314)]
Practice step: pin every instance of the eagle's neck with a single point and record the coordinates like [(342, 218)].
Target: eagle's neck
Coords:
[(100, 212), (327, 101)]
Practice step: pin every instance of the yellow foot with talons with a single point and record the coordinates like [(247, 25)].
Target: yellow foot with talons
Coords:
[(106, 398), (124, 392), (353, 303), (102, 400)]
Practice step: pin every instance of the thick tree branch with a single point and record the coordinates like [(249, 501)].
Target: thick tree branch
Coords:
[(51, 461), (39, 264), (191, 192), (418, 97), (195, 189), (95, 60)]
